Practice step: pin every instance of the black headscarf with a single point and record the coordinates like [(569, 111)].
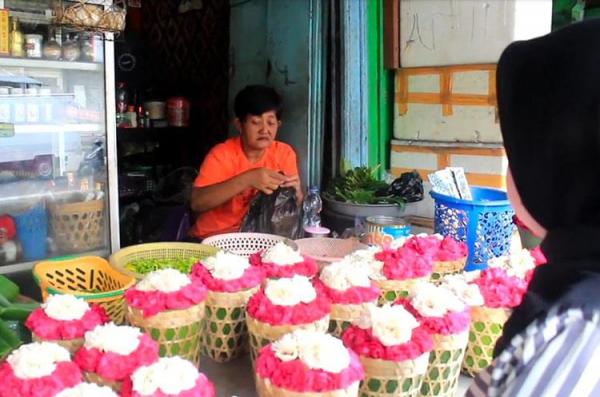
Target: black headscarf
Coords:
[(549, 106)]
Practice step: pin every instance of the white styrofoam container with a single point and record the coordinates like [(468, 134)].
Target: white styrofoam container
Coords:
[(456, 32)]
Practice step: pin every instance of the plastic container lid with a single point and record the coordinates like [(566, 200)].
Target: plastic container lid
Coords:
[(320, 230)]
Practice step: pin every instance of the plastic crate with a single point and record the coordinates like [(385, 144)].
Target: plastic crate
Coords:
[(484, 223), (32, 232)]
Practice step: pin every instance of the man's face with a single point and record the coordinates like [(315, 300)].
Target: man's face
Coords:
[(259, 132)]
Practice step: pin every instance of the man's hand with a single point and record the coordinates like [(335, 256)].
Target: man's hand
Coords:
[(265, 180)]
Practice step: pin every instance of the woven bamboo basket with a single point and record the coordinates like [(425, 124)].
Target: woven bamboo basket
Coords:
[(342, 316), (176, 331), (393, 379), (88, 277), (261, 334), (224, 331), (444, 365), (441, 269), (392, 290), (72, 345), (265, 388), (85, 15), (77, 227), (93, 377), (486, 327), (123, 258)]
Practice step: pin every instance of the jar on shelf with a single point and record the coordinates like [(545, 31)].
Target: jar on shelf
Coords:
[(33, 45), (70, 50)]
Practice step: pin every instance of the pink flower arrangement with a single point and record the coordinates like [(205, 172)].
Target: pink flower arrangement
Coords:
[(404, 263), (252, 277), (452, 323), (66, 375), (153, 302), (423, 245), (262, 309), (365, 344), (48, 328), (203, 388), (351, 296), (451, 250), (500, 289), (295, 376), (117, 367), (308, 267)]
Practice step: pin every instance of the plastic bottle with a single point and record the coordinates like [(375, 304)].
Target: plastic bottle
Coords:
[(312, 206)]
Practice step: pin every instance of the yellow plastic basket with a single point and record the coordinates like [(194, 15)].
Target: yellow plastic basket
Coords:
[(88, 277), (120, 259)]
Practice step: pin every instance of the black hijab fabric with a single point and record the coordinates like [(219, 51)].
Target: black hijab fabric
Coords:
[(549, 106)]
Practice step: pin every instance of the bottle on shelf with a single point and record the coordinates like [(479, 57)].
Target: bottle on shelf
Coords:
[(17, 39)]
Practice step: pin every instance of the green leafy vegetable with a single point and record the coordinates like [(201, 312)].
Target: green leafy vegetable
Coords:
[(361, 186), (143, 266)]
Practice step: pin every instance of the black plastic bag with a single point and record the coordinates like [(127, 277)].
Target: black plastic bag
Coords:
[(409, 186), (276, 213)]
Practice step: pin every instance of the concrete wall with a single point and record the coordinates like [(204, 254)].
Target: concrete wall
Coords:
[(454, 32)]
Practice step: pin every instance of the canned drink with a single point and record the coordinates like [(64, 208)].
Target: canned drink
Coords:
[(383, 230)]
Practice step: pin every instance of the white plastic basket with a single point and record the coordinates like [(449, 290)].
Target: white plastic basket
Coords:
[(326, 250), (246, 244)]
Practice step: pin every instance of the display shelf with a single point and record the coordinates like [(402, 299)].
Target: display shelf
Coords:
[(25, 266), (49, 64), (57, 128)]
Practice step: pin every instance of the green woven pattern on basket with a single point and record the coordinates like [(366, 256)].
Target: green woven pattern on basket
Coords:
[(392, 296), (480, 350), (443, 372), (224, 333), (396, 387), (181, 341), (337, 327), (256, 343)]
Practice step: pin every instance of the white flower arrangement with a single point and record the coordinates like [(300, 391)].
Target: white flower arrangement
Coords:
[(461, 285), (226, 266), (164, 280), (170, 375), (516, 264), (36, 360), (435, 301), (65, 307), (317, 350), (290, 291), (366, 258), (391, 324), (344, 274), (120, 339), (282, 254)]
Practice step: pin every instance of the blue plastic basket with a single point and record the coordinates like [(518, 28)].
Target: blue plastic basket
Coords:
[(32, 232), (484, 223)]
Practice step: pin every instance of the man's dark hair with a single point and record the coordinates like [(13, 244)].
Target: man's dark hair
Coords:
[(256, 100)]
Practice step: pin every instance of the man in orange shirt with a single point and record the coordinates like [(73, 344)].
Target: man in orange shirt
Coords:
[(235, 171)]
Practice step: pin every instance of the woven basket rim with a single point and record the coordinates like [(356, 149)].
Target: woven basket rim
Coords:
[(118, 260)]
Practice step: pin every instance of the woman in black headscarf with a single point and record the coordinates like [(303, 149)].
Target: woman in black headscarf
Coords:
[(549, 103)]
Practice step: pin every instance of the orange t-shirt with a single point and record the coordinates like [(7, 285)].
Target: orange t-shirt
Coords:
[(225, 161)]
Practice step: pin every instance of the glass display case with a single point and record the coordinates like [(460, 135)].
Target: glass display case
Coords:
[(58, 193)]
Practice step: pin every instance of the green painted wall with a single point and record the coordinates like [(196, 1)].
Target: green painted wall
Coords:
[(381, 90)]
